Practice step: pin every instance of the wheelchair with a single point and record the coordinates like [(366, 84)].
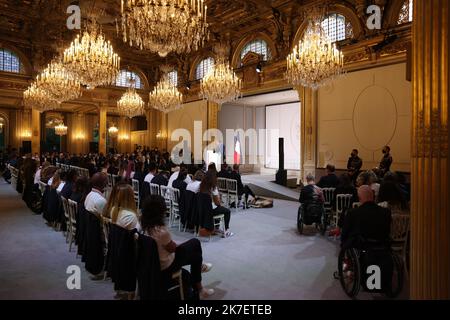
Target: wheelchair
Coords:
[(310, 213), (353, 269)]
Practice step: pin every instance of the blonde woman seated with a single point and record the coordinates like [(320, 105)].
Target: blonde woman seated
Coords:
[(121, 207)]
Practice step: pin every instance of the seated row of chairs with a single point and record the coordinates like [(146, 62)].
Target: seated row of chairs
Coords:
[(228, 190), (124, 256), (82, 172), (14, 175), (186, 209)]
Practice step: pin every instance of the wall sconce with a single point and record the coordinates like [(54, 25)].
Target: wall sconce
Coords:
[(26, 134), (124, 137), (80, 136), (160, 135)]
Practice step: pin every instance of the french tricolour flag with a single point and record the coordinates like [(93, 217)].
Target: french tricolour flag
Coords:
[(237, 149)]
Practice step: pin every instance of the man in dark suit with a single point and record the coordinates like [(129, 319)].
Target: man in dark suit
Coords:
[(354, 165), (330, 180), (161, 179), (368, 222), (242, 189)]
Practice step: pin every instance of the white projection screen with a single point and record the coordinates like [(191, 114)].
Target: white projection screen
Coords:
[(283, 121)]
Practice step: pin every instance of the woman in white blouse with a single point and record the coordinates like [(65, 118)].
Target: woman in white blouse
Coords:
[(121, 207)]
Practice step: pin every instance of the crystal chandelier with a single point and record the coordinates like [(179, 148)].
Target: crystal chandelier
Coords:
[(165, 96), (131, 104), (164, 26), (221, 84), (113, 131), (315, 61), (59, 83), (61, 129), (38, 99), (92, 59)]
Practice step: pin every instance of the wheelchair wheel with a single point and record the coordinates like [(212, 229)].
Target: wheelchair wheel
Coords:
[(349, 272), (398, 276)]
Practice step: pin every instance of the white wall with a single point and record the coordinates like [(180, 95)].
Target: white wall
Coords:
[(366, 110)]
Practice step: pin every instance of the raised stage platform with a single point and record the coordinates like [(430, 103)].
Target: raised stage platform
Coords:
[(264, 185)]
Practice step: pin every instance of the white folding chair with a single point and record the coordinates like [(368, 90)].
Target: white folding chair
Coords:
[(110, 180), (165, 192), (219, 221), (233, 195), (175, 204), (356, 205), (135, 184), (65, 204), (399, 235), (223, 191), (154, 189), (343, 203), (328, 194), (73, 207)]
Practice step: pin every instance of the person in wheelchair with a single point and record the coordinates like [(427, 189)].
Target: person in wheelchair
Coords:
[(311, 203), (369, 221), (365, 242)]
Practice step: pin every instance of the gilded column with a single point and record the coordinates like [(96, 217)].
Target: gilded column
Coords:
[(308, 138), (430, 218), (35, 131), (213, 111), (102, 128)]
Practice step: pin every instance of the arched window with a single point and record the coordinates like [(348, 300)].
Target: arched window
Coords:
[(337, 28), (406, 12), (123, 79), (257, 46), (203, 68), (173, 78), (10, 62)]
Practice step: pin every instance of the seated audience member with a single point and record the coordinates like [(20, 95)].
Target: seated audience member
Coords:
[(47, 174), (225, 171), (172, 256), (404, 186), (386, 162), (311, 192), (105, 167), (151, 172), (161, 178), (55, 180), (129, 173), (121, 207), (71, 178), (174, 175), (369, 178), (63, 177), (212, 167), (242, 189), (392, 195), (95, 201), (37, 176), (354, 165), (180, 181), (368, 222), (345, 186), (330, 180), (139, 174), (81, 189), (194, 186), (209, 186)]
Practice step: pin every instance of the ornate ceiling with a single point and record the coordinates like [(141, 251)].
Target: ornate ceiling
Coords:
[(38, 28)]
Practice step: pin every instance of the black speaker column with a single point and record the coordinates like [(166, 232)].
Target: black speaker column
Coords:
[(281, 176), (26, 146)]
